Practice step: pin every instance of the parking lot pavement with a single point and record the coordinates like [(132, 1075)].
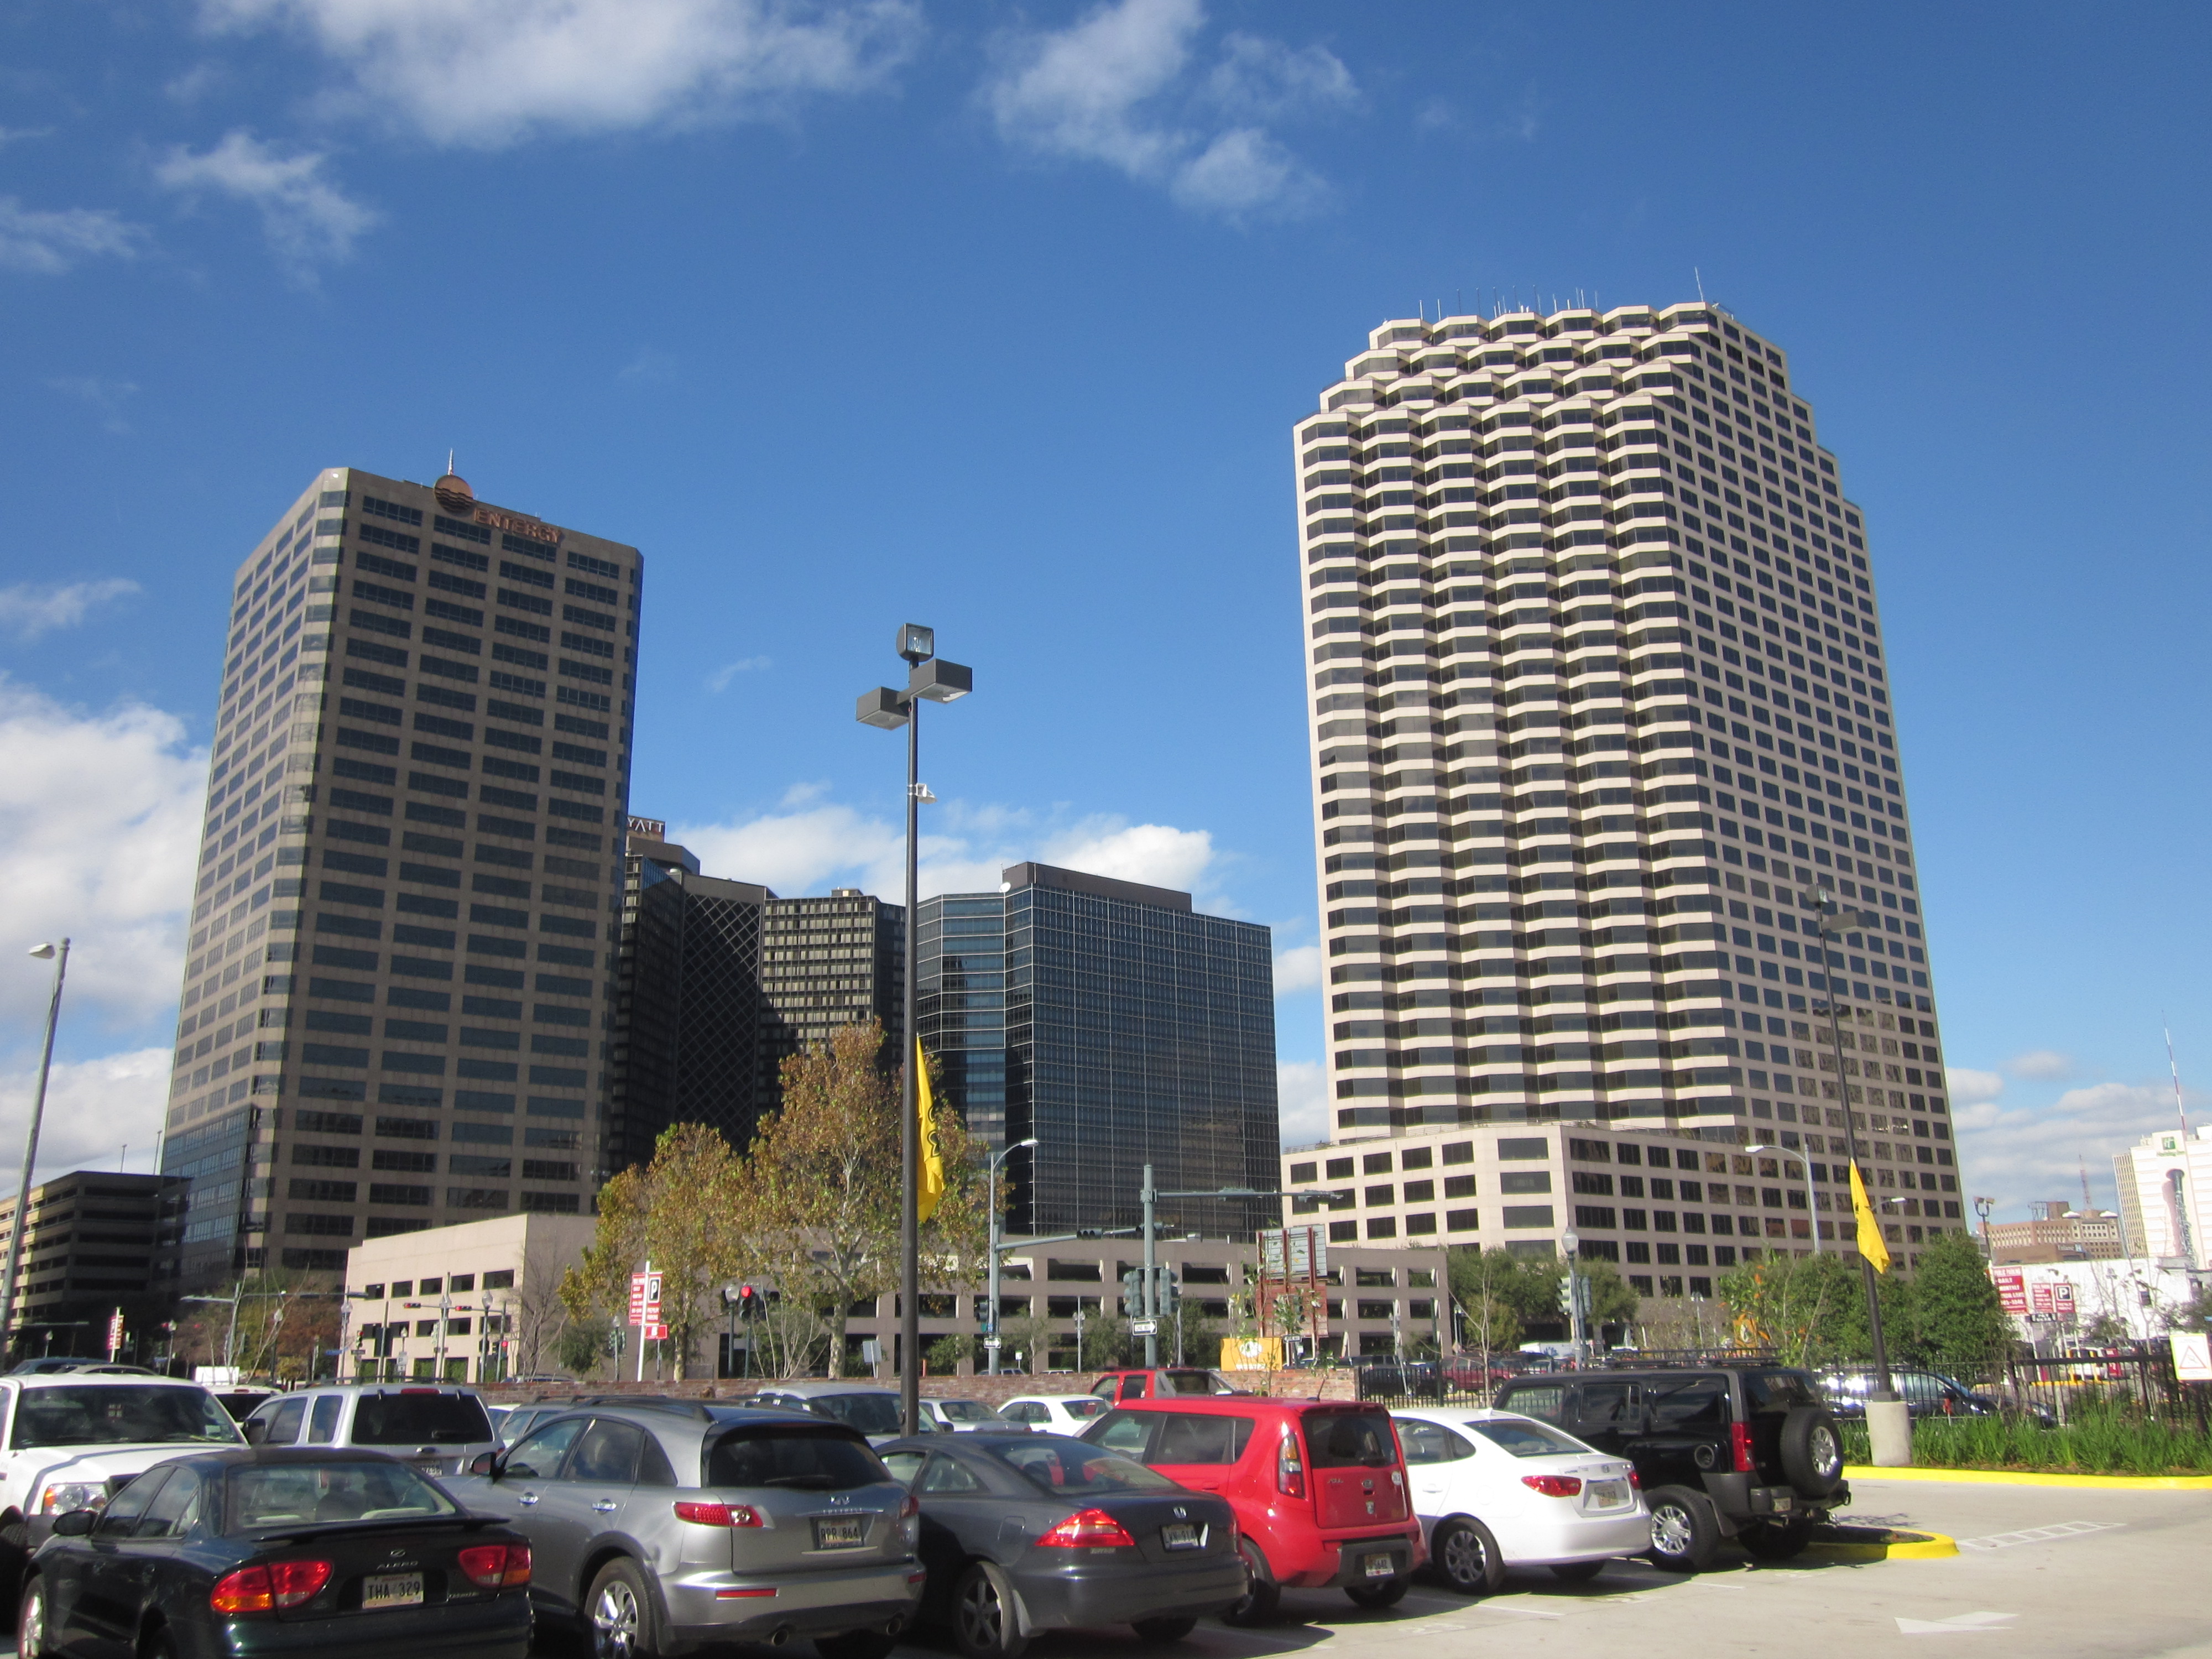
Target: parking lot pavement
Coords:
[(2040, 1571)]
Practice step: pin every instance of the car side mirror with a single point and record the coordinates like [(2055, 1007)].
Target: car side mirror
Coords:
[(486, 1464), (74, 1524), (255, 1431)]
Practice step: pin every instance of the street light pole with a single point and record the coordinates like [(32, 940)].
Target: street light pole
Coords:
[(991, 1343), (31, 1146), (1571, 1243), (1152, 1300), (1812, 1213), (929, 679)]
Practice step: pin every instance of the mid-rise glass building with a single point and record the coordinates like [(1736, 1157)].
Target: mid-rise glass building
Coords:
[(1120, 1028)]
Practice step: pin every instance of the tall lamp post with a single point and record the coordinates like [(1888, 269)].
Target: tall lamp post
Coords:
[(1571, 1243), (1810, 1210), (991, 1191), (1889, 1425), (929, 679), (59, 956)]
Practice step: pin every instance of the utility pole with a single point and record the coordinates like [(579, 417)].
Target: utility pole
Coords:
[(1152, 1299)]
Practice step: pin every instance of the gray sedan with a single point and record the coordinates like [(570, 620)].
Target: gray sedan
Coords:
[(1022, 1532)]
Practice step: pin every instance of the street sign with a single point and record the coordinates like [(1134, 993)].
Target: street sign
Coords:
[(2012, 1291), (1144, 1328), (2193, 1356), (655, 1331), (644, 1299), (114, 1335), (1294, 1253)]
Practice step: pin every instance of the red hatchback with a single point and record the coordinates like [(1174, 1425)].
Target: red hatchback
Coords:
[(1319, 1487)]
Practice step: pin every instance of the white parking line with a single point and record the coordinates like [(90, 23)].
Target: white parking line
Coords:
[(2005, 1541)]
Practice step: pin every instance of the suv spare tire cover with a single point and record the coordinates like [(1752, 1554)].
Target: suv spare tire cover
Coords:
[(1812, 1451)]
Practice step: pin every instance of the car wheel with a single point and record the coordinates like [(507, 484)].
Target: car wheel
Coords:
[(1777, 1540), (1165, 1630), (1812, 1451), (620, 1613), (158, 1645), (1262, 1595), (31, 1621), (854, 1645), (15, 1554), (1684, 1531), (1577, 1572), (984, 1623), (1466, 1552), (1377, 1595)]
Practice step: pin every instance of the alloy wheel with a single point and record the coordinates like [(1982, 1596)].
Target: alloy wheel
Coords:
[(982, 1615), (1671, 1531), (614, 1621), (1827, 1452)]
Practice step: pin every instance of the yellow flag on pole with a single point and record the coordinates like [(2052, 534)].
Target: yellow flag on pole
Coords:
[(1870, 1242), (932, 1164)]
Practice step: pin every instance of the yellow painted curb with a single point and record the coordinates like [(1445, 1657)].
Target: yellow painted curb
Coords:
[(2029, 1477), (1898, 1546)]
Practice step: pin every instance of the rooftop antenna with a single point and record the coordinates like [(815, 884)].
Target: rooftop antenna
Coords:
[(2084, 1163), (2176, 1070), (449, 463), (1701, 276)]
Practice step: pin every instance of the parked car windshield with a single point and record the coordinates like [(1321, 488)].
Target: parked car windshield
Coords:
[(120, 1414), (288, 1494), (1059, 1467), (870, 1414), (1525, 1438), (798, 1455), (1339, 1440), (427, 1418)]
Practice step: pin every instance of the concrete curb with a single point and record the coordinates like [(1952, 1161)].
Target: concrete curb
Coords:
[(1879, 1544), (2029, 1477)]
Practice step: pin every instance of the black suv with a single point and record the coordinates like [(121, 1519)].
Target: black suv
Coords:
[(1722, 1451)]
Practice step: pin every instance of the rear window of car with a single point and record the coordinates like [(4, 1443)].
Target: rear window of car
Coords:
[(1689, 1403), (793, 1455), (1201, 1437), (967, 1411), (1547, 1401), (1525, 1439), (292, 1494), (1340, 1440), (1778, 1391), (1060, 1468), (870, 1414), (420, 1419)]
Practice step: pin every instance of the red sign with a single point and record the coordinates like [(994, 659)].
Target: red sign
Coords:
[(2012, 1291), (2061, 1298), (2044, 1300), (654, 1332), (645, 1299)]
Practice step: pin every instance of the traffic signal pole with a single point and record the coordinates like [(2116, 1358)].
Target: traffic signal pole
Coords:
[(1152, 1301)]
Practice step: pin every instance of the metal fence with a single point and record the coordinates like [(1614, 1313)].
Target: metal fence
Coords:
[(2135, 1381)]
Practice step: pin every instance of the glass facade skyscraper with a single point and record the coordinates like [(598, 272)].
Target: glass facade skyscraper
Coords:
[(1118, 1027)]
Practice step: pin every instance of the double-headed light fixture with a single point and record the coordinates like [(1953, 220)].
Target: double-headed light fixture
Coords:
[(929, 679)]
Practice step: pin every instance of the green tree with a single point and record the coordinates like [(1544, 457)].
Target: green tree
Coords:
[(581, 1347), (1029, 1335), (1491, 1321), (679, 1213), (1810, 1309), (1956, 1322), (944, 1355)]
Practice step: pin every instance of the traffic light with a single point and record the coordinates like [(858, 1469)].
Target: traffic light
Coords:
[(1169, 1292), (1132, 1291)]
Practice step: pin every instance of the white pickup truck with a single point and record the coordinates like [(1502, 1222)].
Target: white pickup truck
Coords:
[(68, 1440)]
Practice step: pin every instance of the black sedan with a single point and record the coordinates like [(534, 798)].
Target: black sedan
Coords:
[(1022, 1533), (273, 1554)]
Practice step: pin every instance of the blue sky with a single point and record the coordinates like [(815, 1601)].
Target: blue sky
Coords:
[(996, 319)]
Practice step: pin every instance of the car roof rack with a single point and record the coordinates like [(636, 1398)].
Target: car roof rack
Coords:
[(1662, 1359)]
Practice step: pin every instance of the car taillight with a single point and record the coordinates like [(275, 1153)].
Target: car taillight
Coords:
[(910, 1508), (1290, 1468), (1739, 1442), (719, 1515), (1553, 1485), (1635, 1480), (260, 1589), (1089, 1529), (494, 1566)]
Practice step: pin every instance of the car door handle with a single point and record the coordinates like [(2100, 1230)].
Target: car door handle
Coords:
[(604, 1505)]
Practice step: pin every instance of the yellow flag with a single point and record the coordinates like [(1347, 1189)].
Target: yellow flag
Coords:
[(933, 1166), (1870, 1243)]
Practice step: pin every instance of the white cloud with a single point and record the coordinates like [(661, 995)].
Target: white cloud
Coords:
[(48, 242), (99, 822), (2018, 1154), (108, 396), (2041, 1063), (649, 365), (1969, 1087), (307, 219), (28, 610), (810, 843), (1297, 969), (1302, 1101), (94, 1108), (492, 72), (1114, 87), (721, 678)]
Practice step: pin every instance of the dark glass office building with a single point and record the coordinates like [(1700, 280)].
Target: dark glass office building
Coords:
[(1118, 1027)]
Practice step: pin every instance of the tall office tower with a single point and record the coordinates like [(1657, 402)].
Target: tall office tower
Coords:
[(1598, 698), (398, 968), (1117, 1026), (720, 981), (2163, 1179)]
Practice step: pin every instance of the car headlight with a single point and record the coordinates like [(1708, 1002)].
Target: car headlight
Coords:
[(67, 1495)]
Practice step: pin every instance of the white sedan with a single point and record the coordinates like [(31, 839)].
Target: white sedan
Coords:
[(1494, 1491), (1055, 1414)]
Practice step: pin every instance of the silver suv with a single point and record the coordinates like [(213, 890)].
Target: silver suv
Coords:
[(439, 1428), (668, 1526)]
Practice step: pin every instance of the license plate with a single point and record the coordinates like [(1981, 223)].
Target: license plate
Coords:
[(1382, 1567), (391, 1589), (1784, 1501), (1607, 1494), (840, 1533), (1179, 1536)]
